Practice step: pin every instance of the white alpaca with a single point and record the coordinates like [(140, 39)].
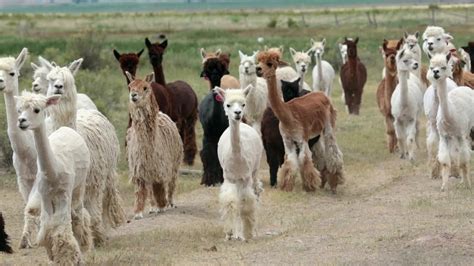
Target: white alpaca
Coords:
[(406, 101), (454, 121), (257, 99), (239, 149), (24, 151), (323, 72), (466, 58), (410, 42), (63, 164), (40, 83), (302, 61), (102, 198), (436, 40)]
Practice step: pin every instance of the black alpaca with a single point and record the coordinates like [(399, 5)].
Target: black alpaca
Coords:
[(213, 121), (4, 242), (272, 140)]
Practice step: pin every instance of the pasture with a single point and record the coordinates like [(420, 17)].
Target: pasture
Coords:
[(388, 211)]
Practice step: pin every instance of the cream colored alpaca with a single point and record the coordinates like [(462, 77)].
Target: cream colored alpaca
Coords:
[(436, 40), (343, 52), (323, 72), (466, 58), (24, 151), (410, 42), (40, 83), (407, 104), (240, 149), (63, 164), (257, 99), (454, 121), (302, 61), (102, 198), (155, 150)]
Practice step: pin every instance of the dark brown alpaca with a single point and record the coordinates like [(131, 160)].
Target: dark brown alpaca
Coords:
[(385, 91), (301, 119), (183, 100), (353, 77), (4, 239)]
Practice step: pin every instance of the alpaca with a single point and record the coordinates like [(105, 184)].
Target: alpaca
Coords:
[(436, 40), (24, 152), (4, 238), (102, 198), (284, 70), (460, 75), (128, 62), (63, 163), (40, 84), (466, 58), (385, 91), (155, 150), (390, 44), (184, 102), (301, 119), (455, 120), (406, 102), (410, 41), (353, 77), (214, 122), (257, 98), (323, 72), (240, 150), (302, 61), (217, 68), (470, 51)]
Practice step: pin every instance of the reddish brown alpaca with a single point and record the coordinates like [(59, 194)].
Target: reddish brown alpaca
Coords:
[(301, 119), (353, 77), (183, 101), (461, 77), (385, 91)]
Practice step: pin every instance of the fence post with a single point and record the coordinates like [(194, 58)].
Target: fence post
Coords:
[(335, 19)]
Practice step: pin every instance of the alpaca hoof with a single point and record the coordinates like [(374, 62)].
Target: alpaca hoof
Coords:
[(172, 206), (228, 236), (153, 210), (138, 216), (25, 243), (443, 188)]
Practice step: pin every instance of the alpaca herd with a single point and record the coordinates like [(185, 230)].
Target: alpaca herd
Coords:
[(65, 151)]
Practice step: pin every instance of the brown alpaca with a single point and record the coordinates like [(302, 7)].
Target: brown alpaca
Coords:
[(301, 119), (353, 77), (460, 76), (385, 91)]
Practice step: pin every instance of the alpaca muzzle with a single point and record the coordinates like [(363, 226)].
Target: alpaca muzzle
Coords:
[(259, 71), (23, 124)]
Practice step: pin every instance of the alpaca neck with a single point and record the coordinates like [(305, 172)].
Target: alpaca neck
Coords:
[(16, 136), (390, 84), (248, 79), (278, 106), (46, 160), (64, 114), (159, 75), (144, 116), (319, 68), (443, 99), (403, 79), (301, 83), (235, 136)]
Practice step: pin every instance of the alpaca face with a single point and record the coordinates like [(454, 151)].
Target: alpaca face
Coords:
[(301, 59), (56, 83), (140, 90), (207, 55), (31, 108), (213, 70), (128, 62), (234, 101), (267, 63), (440, 68), (290, 89), (10, 70), (411, 40), (406, 60), (351, 47), (343, 51), (247, 64), (156, 50), (435, 40), (318, 47)]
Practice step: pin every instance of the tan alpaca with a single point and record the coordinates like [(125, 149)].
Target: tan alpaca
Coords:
[(300, 120)]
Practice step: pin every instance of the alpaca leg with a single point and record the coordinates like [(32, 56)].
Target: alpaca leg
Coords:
[(309, 174), (113, 214), (287, 172), (411, 140), (189, 142), (93, 204), (141, 193), (64, 248), (445, 160), (228, 201), (391, 137), (273, 163), (212, 170), (432, 142), (151, 198), (247, 204), (465, 156), (31, 214), (159, 191), (171, 190), (81, 227), (401, 138)]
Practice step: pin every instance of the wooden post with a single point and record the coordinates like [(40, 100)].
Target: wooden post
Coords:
[(335, 19), (433, 16), (374, 19)]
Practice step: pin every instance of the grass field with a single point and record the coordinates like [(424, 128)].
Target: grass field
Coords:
[(389, 211)]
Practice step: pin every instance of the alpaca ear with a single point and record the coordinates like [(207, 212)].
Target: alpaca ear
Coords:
[(292, 52), (324, 42), (34, 66), (248, 89), (53, 100), (448, 56), (417, 34), (310, 51), (401, 54), (116, 54), (281, 49), (218, 52), (265, 48), (129, 76), (255, 53), (429, 56), (312, 42), (164, 44), (140, 53), (147, 43), (400, 43), (75, 65), (203, 53), (53, 64), (448, 37), (219, 94), (384, 45), (381, 50), (150, 77), (241, 55), (21, 58), (356, 40), (345, 39), (405, 35), (44, 62)]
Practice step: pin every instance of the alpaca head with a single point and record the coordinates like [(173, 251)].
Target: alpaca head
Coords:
[(267, 63), (290, 89), (343, 51), (32, 108), (463, 54), (140, 90), (351, 47), (318, 47), (457, 65), (10, 70), (207, 55), (40, 80), (61, 80), (301, 59), (234, 101), (156, 50), (389, 54), (411, 40), (435, 40), (247, 64), (406, 60), (279, 50), (440, 68), (213, 70), (128, 62)]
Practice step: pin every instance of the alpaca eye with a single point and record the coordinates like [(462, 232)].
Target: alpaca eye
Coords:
[(228, 105), (36, 110), (443, 68), (269, 64), (439, 39), (243, 105), (144, 88), (405, 61), (12, 74)]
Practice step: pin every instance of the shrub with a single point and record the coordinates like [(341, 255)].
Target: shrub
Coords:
[(292, 23), (88, 46), (272, 23)]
